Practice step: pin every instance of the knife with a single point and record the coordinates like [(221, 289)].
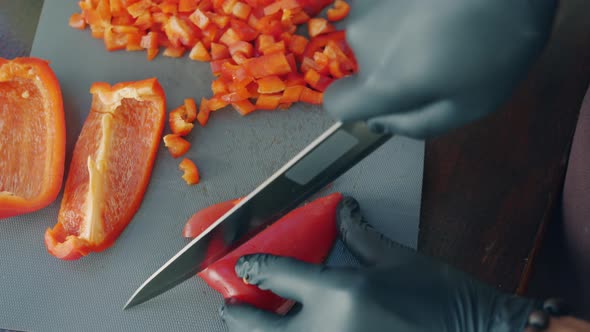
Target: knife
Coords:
[(333, 153)]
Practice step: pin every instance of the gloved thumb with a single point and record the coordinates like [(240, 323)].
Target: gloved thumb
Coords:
[(284, 276), (247, 318), (369, 246)]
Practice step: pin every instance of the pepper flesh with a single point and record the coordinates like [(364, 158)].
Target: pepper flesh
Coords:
[(32, 136), (306, 233), (110, 168)]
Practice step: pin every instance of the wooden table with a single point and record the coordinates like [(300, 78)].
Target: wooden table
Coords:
[(489, 188)]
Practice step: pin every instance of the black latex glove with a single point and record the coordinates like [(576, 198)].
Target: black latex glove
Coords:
[(427, 66), (402, 291)]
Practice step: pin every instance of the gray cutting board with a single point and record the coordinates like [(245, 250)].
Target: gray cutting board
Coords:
[(234, 154)]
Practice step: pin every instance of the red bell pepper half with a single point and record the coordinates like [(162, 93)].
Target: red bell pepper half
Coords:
[(32, 136), (306, 233)]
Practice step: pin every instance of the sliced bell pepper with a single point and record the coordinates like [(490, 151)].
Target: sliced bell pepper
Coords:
[(306, 233), (110, 167), (191, 172), (32, 136)]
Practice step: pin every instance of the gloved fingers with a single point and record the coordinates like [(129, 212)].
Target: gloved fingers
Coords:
[(369, 246), (284, 276), (424, 122), (241, 317), (358, 97)]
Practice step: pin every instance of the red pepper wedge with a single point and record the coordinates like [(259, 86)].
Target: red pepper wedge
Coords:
[(32, 136), (110, 168), (306, 233)]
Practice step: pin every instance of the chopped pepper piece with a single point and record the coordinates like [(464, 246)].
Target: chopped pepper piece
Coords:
[(270, 84), (339, 11), (191, 173), (110, 167), (177, 146), (318, 26), (178, 121), (204, 111)]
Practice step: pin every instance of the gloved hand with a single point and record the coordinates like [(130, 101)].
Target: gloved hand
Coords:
[(399, 290), (428, 66)]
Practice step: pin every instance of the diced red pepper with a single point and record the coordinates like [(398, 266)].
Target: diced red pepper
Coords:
[(219, 87), (243, 30), (219, 19), (217, 66), (199, 53), (267, 65), (191, 172), (244, 107), (311, 97), (318, 26), (268, 102), (306, 233), (229, 37), (339, 11), (228, 6), (179, 32), (216, 103), (295, 79), (178, 121), (292, 94), (77, 21), (203, 116), (219, 51), (263, 42), (191, 109), (174, 52), (187, 6), (297, 44), (199, 19), (177, 146), (270, 84), (270, 25), (313, 7), (278, 47), (243, 47), (241, 10), (280, 5), (233, 97)]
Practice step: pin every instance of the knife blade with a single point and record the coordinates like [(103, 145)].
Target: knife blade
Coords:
[(333, 153)]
